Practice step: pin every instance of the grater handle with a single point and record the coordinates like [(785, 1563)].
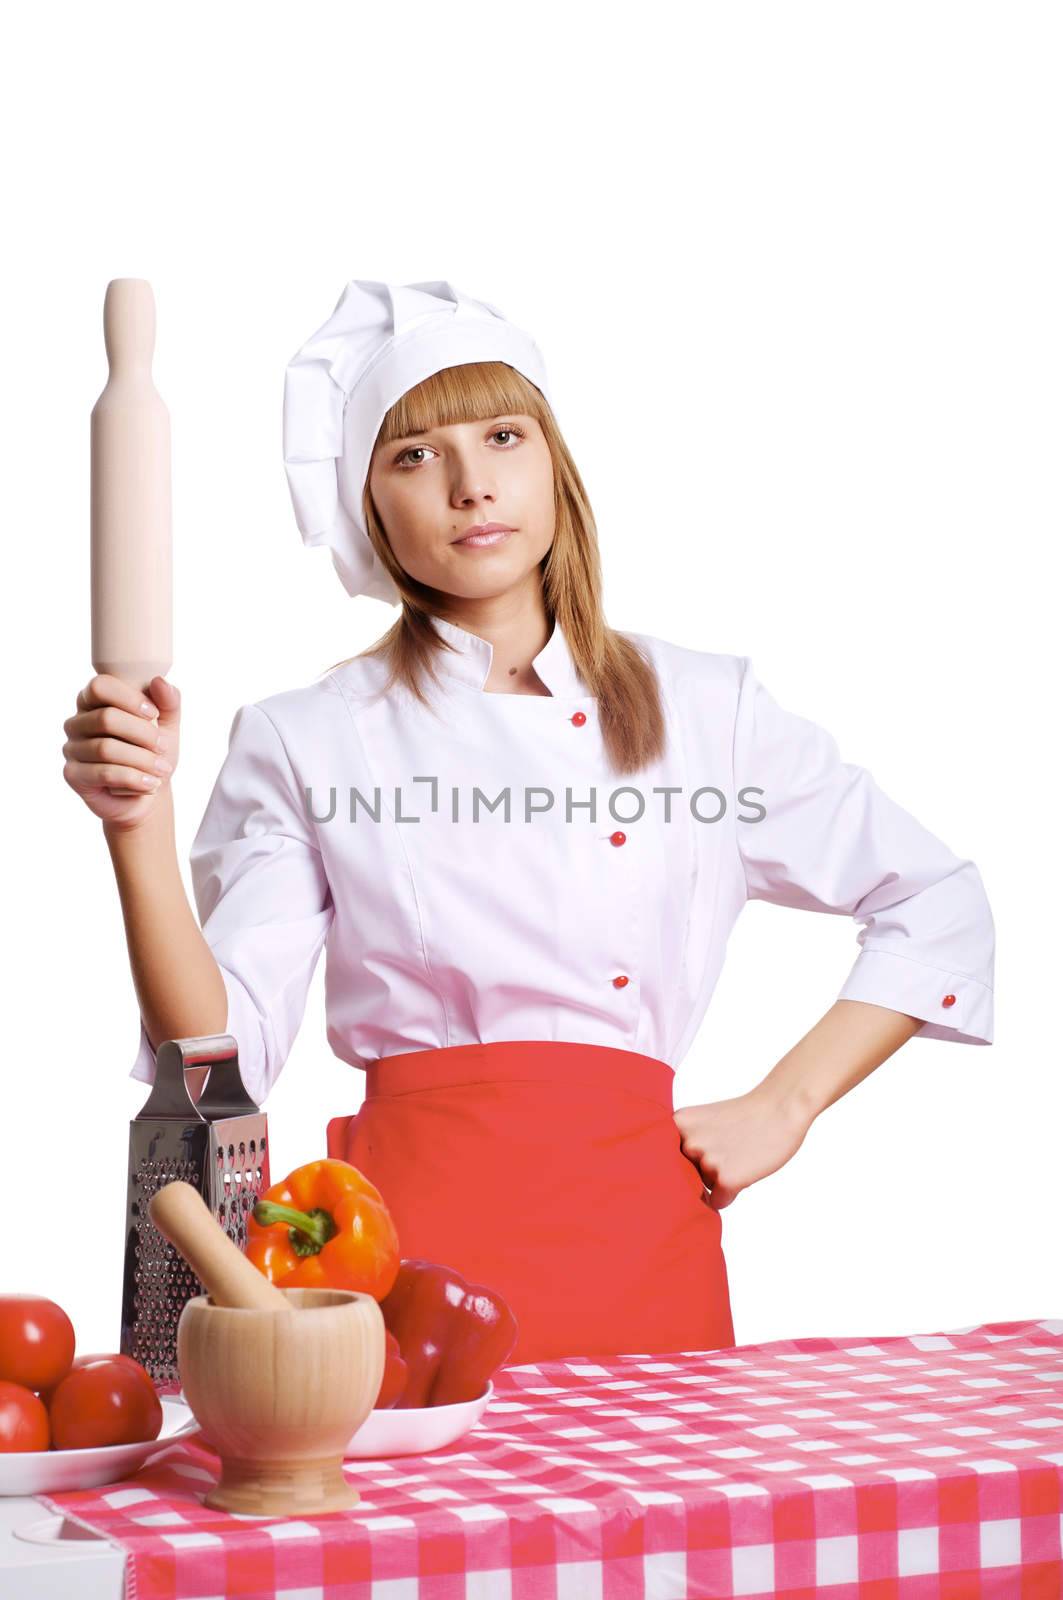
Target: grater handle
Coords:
[(223, 1094), (180, 1212)]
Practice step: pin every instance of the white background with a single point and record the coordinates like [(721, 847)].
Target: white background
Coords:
[(795, 272)]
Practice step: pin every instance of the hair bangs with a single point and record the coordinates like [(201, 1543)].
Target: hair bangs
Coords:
[(464, 393)]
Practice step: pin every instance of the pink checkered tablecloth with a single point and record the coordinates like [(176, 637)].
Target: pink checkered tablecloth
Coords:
[(927, 1467)]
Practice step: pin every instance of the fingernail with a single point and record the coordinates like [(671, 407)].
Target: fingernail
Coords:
[(152, 782), (163, 766), (146, 710)]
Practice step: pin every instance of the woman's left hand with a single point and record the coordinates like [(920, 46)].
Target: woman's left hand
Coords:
[(734, 1142)]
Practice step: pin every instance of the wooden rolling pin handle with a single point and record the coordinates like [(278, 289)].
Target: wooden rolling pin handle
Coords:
[(181, 1213), (129, 324)]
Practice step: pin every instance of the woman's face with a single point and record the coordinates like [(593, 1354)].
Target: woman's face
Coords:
[(430, 488)]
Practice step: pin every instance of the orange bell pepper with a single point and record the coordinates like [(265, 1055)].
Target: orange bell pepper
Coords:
[(324, 1227)]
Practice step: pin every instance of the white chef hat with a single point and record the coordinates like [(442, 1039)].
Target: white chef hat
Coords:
[(381, 340)]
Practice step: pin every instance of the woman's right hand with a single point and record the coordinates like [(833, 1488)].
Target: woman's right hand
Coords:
[(111, 745)]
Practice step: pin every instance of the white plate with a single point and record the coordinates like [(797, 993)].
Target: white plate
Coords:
[(411, 1431), (52, 1471), (416, 1429)]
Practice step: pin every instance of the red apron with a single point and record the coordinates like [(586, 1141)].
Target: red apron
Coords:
[(551, 1172)]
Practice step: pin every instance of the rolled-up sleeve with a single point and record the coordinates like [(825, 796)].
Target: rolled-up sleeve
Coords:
[(262, 897), (831, 840)]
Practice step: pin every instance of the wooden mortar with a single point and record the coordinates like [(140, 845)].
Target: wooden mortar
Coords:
[(278, 1379)]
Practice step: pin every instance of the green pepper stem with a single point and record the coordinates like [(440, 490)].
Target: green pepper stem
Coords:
[(310, 1229)]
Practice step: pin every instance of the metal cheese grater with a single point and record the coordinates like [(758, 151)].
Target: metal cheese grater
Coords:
[(217, 1144)]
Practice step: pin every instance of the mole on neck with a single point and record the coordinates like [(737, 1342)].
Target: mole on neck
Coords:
[(532, 683)]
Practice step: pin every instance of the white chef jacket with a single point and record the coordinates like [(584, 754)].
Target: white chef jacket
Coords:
[(444, 924)]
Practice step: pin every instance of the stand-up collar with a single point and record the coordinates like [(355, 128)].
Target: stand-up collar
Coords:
[(470, 662)]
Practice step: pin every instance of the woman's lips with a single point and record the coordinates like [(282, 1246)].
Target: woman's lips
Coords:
[(479, 540)]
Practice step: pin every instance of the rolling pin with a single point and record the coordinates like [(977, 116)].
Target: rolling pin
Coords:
[(130, 499), (181, 1214)]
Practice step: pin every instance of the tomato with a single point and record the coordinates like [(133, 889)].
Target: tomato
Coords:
[(103, 1403), (23, 1419), (36, 1340), (85, 1361)]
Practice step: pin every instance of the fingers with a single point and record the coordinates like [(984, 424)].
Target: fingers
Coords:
[(111, 775), (160, 698), (106, 690), (116, 753), (111, 721)]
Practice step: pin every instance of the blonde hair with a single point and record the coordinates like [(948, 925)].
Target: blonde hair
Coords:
[(630, 714)]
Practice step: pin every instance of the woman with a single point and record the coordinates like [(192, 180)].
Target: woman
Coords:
[(523, 839)]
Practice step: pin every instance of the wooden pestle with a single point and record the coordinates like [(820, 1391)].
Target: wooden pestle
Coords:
[(181, 1213)]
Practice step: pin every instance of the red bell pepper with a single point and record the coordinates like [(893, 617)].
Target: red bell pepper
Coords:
[(395, 1373), (453, 1334)]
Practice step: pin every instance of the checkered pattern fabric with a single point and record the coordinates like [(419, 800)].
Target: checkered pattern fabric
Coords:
[(927, 1467)]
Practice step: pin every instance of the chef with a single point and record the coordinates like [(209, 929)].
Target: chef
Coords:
[(522, 839)]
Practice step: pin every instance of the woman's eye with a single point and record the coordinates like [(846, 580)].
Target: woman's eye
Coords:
[(517, 433), (411, 451)]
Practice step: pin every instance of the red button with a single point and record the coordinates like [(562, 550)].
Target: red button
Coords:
[(618, 983), (618, 838), (579, 718), (949, 1000)]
